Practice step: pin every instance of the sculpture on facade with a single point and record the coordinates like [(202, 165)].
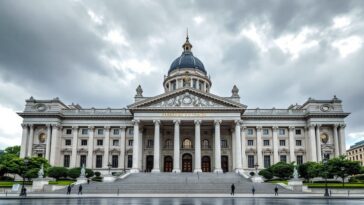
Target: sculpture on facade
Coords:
[(83, 171), (41, 172)]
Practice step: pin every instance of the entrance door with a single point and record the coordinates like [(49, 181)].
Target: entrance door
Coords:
[(225, 163), (149, 165), (187, 163), (205, 164), (168, 164)]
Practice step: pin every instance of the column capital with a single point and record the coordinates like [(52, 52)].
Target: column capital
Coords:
[(259, 128), (318, 126), (91, 127), (197, 122), (122, 127), (217, 122), (75, 127), (275, 128), (342, 125), (31, 126), (57, 126), (335, 126), (237, 122), (107, 127), (135, 122), (176, 122), (243, 127), (156, 122), (48, 126), (23, 125), (291, 128), (311, 126)]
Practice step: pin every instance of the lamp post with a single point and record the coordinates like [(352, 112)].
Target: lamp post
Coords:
[(343, 174), (22, 191), (325, 166), (109, 165), (324, 140), (256, 168)]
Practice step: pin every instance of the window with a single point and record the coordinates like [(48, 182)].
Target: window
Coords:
[(130, 161), (100, 131), (98, 161), (100, 142), (82, 160), (168, 144), (251, 161), (250, 142), (115, 143), (298, 132), (283, 158), (150, 143), (205, 144), (115, 161), (84, 131), (266, 161), (194, 83), (299, 159), (130, 142), (266, 142), (282, 131), (66, 161), (265, 131), (83, 142), (68, 131), (250, 131), (67, 142), (200, 85), (131, 131), (282, 142), (173, 85), (116, 131), (298, 142), (187, 144), (224, 144)]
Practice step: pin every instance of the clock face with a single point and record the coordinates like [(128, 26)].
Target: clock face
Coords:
[(41, 107), (325, 108)]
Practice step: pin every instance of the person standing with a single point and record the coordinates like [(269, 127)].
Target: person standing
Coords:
[(69, 188), (232, 190), (253, 190), (276, 191), (80, 189)]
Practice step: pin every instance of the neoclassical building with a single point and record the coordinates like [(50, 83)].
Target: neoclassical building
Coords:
[(185, 129)]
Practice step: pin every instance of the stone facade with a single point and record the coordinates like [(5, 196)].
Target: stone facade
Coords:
[(356, 152)]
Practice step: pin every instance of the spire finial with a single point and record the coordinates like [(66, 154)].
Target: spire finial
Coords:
[(187, 45), (187, 34)]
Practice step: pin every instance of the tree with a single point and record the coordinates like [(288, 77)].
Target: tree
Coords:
[(57, 172), (282, 170), (13, 150), (342, 167), (31, 173), (309, 170), (266, 173)]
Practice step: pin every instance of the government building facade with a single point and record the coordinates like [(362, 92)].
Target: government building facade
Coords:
[(185, 129)]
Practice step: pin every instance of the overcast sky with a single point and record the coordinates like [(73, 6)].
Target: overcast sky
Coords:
[(95, 53)]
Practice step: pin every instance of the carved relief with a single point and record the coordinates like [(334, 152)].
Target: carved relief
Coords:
[(186, 100)]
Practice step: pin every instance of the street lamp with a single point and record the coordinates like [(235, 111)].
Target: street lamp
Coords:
[(22, 191), (325, 166), (109, 165), (343, 174), (256, 168), (324, 140)]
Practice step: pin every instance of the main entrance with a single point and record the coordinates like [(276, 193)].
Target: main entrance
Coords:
[(205, 164), (187, 163), (149, 165), (225, 163), (168, 164)]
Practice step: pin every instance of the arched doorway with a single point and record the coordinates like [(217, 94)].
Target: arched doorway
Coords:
[(168, 164), (149, 163), (206, 164), (225, 163), (187, 163)]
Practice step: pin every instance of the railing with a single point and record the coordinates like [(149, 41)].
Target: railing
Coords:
[(274, 112), (94, 111)]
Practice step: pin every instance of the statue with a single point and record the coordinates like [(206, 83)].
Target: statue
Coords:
[(83, 171), (295, 173), (41, 172)]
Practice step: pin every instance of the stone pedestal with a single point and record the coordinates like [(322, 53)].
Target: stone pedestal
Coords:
[(257, 179), (108, 178), (296, 184), (39, 183), (81, 180)]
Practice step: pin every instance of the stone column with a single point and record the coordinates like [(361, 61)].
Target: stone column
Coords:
[(90, 147), (259, 148), (74, 146), (275, 145), (342, 139), (107, 147), (238, 162), (243, 146), (122, 147), (197, 146), (312, 143), (318, 143), (291, 144), (48, 141), (135, 168), (156, 156), (336, 141), (30, 141), (23, 148), (217, 147), (54, 144), (176, 150)]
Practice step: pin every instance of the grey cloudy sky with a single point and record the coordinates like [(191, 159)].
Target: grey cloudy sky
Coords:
[(95, 53)]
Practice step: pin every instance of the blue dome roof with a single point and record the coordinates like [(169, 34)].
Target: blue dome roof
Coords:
[(187, 60)]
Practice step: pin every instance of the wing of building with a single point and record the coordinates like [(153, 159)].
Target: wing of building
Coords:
[(186, 128)]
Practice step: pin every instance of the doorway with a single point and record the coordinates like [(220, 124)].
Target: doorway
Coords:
[(187, 163), (150, 162), (206, 164), (168, 164), (225, 163)]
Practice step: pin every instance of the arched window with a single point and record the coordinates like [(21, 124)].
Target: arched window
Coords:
[(168, 143), (187, 144), (205, 144)]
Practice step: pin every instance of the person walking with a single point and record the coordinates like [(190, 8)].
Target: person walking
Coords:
[(276, 191), (232, 190), (80, 189), (88, 181), (253, 190), (69, 188)]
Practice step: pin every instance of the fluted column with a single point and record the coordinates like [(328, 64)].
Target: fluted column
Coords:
[(312, 143), (122, 147), (217, 147), (197, 146), (135, 168), (107, 147), (259, 147), (54, 144), (156, 157), (275, 145), (318, 143), (74, 146), (23, 148), (90, 147), (336, 140), (238, 162), (30, 141), (291, 144), (243, 146), (342, 139), (176, 144), (48, 142)]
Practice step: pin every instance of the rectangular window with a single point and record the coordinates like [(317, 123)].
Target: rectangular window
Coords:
[(115, 143), (130, 142), (149, 143), (82, 160), (67, 142), (224, 144), (194, 84), (68, 131), (66, 161), (266, 142), (298, 132), (266, 161), (299, 159), (131, 131), (98, 161), (282, 131), (283, 158), (251, 161), (83, 142), (116, 131), (100, 131), (298, 142), (100, 142), (265, 131), (115, 161), (282, 142), (130, 161), (250, 131), (84, 131), (250, 142)]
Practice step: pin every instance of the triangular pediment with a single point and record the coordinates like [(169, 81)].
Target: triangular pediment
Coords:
[(187, 98)]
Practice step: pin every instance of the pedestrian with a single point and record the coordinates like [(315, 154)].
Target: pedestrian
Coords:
[(25, 192), (88, 181), (276, 191), (232, 190), (69, 188), (330, 192), (253, 191), (80, 189)]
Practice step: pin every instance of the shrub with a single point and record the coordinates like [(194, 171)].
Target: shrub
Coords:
[(282, 170), (266, 174), (97, 178), (97, 174), (57, 172), (251, 173), (6, 178), (75, 173), (32, 173)]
